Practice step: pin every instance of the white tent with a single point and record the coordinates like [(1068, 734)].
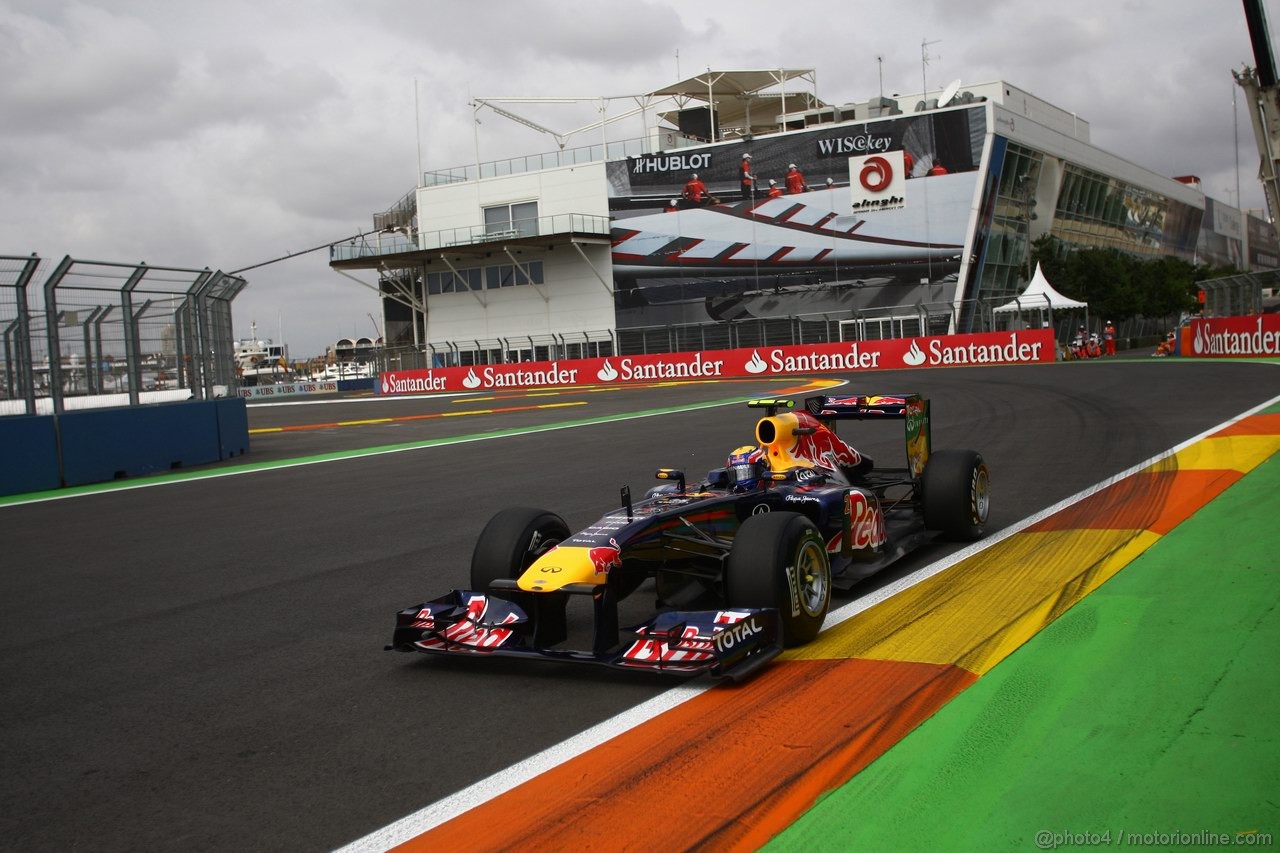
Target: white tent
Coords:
[(1038, 296)]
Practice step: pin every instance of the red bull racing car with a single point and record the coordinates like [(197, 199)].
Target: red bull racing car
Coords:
[(743, 562)]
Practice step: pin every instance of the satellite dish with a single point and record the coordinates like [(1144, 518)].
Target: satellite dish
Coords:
[(949, 92)]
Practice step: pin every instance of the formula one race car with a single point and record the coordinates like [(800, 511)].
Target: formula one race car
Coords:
[(743, 563)]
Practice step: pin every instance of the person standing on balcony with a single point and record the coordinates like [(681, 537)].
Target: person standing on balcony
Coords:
[(695, 192), (795, 181)]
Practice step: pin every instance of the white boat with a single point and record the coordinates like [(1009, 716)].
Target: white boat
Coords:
[(260, 362), (344, 370)]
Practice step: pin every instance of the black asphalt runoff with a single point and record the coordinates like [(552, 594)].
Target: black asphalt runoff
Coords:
[(199, 666)]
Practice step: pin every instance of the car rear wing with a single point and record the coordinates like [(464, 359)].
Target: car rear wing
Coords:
[(861, 406), (912, 408)]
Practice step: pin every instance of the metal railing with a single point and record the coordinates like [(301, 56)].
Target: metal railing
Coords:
[(618, 150), (1237, 294), (105, 334), (923, 319), (382, 244)]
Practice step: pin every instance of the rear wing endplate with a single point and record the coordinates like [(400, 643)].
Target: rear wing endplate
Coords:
[(912, 408)]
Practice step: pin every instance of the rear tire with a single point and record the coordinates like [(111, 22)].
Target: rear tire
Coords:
[(511, 541), (780, 560), (957, 494)]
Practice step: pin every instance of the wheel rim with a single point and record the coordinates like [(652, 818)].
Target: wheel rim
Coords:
[(814, 574), (981, 495)]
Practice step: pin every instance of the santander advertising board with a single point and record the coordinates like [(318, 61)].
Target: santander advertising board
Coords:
[(1025, 346), (1256, 336)]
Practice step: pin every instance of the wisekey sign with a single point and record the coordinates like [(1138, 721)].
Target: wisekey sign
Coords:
[(1020, 347)]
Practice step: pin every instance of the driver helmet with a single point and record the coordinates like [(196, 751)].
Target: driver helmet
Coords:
[(745, 466)]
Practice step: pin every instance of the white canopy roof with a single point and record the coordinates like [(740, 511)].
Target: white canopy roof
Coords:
[(1040, 294)]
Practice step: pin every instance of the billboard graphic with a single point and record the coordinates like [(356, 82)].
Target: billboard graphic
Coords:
[(877, 182), (803, 220), (1257, 336), (1020, 347)]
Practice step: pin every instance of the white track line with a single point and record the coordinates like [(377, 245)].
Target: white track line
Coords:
[(481, 792)]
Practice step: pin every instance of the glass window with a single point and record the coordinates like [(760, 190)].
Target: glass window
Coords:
[(524, 217), (521, 217), (497, 219)]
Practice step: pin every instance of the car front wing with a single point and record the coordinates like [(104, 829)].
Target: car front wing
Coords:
[(730, 644)]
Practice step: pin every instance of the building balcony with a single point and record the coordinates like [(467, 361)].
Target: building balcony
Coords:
[(394, 247)]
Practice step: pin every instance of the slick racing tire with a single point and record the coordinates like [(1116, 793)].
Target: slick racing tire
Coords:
[(779, 560), (957, 494), (511, 541)]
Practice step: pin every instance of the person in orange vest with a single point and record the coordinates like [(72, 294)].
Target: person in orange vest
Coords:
[(1109, 339), (673, 206), (775, 191), (695, 192), (795, 180), (908, 163), (748, 179), (938, 168)]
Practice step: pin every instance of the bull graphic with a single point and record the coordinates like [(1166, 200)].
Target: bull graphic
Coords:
[(605, 558), (822, 446)]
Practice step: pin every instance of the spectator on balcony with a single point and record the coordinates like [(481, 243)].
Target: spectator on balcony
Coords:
[(795, 181), (748, 180), (695, 191)]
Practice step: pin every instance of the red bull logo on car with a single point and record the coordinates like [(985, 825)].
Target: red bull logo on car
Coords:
[(822, 446), (606, 557)]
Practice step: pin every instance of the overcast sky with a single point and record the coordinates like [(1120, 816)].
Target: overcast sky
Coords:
[(228, 133)]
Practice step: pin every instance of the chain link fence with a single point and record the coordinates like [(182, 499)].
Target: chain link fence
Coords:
[(96, 334)]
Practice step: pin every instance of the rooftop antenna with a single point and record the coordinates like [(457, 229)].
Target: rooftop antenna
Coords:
[(1235, 130), (880, 67), (924, 62)]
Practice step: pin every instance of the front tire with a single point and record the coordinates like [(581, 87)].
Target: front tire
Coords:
[(780, 560), (957, 494), (511, 541)]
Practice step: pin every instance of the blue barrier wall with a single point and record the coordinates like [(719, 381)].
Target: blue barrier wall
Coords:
[(98, 445), (233, 427), (28, 454)]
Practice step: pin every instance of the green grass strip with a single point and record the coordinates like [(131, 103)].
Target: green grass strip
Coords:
[(1150, 707)]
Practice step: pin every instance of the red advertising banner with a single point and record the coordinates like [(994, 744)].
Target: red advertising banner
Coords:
[(1020, 347), (1256, 336)]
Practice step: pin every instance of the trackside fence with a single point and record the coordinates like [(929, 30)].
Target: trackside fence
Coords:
[(95, 334)]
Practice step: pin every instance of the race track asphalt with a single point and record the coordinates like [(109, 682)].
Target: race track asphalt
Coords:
[(199, 665)]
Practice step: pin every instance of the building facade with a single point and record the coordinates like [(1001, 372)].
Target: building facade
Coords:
[(921, 207)]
